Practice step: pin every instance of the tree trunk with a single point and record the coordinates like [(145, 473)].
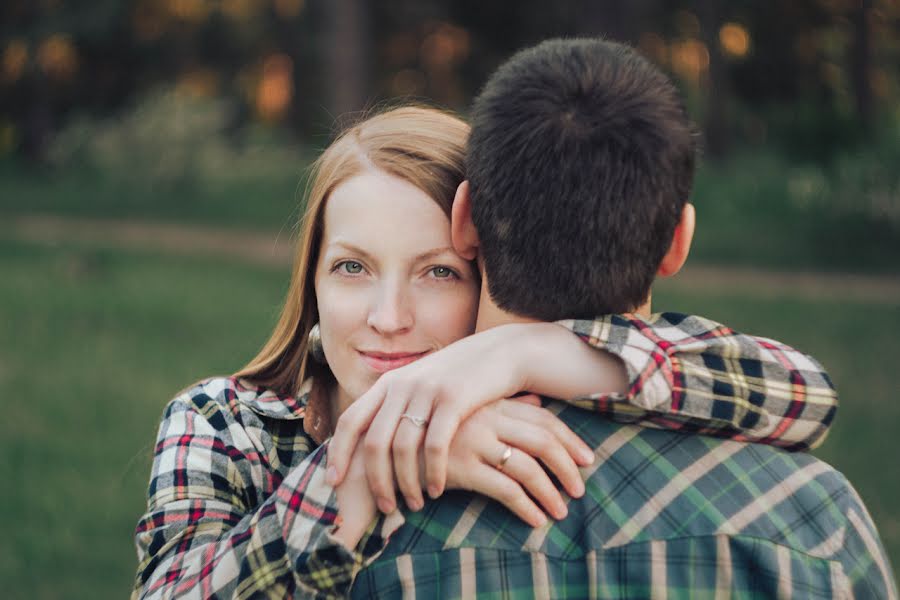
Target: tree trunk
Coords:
[(348, 50), (860, 63), (619, 20), (714, 83)]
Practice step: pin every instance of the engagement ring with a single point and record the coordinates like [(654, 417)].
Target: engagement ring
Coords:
[(417, 421), (505, 458)]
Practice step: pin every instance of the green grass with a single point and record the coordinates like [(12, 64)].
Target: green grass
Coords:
[(92, 345), (758, 209), (94, 342)]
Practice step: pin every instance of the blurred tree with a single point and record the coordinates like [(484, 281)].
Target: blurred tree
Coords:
[(714, 81), (860, 62), (347, 51), (811, 74)]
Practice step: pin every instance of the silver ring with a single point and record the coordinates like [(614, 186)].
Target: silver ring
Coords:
[(417, 421), (505, 458)]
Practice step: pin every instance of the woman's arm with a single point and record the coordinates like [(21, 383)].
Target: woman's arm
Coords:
[(690, 373), (671, 371)]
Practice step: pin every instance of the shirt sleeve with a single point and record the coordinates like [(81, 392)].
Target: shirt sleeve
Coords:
[(692, 374), (207, 534)]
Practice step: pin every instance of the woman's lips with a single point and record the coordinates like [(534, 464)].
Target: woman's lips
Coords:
[(388, 361)]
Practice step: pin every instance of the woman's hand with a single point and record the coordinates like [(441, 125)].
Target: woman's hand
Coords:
[(356, 505), (498, 452), (444, 388)]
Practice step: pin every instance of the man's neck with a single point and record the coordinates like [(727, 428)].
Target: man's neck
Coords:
[(490, 315)]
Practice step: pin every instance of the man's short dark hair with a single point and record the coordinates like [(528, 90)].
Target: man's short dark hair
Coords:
[(580, 161)]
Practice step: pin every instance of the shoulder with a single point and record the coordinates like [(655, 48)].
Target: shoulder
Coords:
[(232, 396), (223, 402)]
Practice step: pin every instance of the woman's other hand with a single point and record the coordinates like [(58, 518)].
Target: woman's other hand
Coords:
[(356, 505), (498, 452)]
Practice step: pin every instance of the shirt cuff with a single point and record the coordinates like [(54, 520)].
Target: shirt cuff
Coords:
[(648, 366)]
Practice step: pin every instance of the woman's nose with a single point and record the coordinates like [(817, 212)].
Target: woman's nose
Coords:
[(392, 311)]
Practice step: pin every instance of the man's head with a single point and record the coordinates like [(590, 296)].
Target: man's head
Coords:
[(580, 163)]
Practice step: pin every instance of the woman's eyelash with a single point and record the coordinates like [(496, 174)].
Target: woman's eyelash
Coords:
[(347, 266), (451, 273)]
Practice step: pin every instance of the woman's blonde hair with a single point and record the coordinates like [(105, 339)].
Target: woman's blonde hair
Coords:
[(423, 146)]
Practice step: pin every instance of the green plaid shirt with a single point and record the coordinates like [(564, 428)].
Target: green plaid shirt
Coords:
[(665, 515), (238, 506)]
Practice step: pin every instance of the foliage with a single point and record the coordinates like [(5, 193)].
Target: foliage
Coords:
[(175, 139), (761, 208)]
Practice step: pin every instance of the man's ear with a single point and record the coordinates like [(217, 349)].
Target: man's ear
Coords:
[(462, 230), (681, 243)]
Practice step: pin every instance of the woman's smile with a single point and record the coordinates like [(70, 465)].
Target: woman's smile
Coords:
[(388, 361)]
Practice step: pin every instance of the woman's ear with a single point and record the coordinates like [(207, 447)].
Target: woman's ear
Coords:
[(462, 230), (681, 243)]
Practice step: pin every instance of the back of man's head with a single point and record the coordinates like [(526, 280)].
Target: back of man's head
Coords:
[(580, 162)]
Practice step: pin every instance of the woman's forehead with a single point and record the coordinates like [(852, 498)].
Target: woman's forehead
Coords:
[(376, 206)]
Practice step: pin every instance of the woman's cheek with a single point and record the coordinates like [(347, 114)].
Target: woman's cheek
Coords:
[(449, 314), (341, 313)]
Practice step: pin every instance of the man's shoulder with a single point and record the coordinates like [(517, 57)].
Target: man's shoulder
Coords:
[(649, 484)]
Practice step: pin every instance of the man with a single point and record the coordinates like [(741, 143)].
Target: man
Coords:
[(580, 163)]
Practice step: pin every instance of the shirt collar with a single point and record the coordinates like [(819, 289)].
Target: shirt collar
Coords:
[(268, 403)]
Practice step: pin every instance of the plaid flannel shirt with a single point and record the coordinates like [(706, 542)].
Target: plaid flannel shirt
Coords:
[(665, 515), (238, 506)]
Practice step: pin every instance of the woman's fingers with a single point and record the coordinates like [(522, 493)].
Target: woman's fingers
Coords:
[(350, 427), (543, 441), (487, 480), (443, 427), (378, 444), (526, 471), (407, 442)]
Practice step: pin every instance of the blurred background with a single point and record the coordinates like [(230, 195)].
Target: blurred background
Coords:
[(152, 162)]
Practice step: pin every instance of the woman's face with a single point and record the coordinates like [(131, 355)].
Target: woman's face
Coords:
[(389, 287)]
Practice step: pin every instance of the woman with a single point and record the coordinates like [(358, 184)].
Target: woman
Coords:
[(238, 500), (376, 268)]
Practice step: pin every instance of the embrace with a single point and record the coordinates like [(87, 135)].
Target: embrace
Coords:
[(468, 395)]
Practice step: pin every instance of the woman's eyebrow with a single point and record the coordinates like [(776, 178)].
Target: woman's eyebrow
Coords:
[(433, 253), (427, 255), (349, 247)]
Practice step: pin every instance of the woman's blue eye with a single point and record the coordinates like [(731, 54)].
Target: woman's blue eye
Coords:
[(351, 267), (442, 272)]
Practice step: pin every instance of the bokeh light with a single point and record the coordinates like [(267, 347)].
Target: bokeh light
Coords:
[(57, 57), (735, 39), (288, 9), (15, 59), (690, 58), (276, 87)]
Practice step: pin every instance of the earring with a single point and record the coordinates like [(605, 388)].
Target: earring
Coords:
[(314, 345)]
